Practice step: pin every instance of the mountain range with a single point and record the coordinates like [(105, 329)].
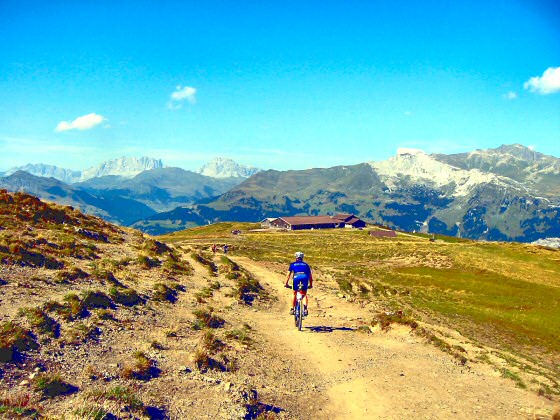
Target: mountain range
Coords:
[(468, 195), (128, 167), (507, 193)]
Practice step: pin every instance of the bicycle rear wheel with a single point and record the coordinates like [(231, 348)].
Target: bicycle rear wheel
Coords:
[(300, 317), (296, 314)]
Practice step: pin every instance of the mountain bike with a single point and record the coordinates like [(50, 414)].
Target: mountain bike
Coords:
[(299, 309)]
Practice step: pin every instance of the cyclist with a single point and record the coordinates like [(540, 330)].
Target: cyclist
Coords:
[(302, 274)]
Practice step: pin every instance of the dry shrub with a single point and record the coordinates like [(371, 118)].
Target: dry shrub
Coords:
[(80, 333), (15, 405), (96, 299), (385, 319), (203, 361), (207, 319), (14, 339), (126, 297), (52, 385), (40, 321), (162, 292), (142, 368), (73, 307)]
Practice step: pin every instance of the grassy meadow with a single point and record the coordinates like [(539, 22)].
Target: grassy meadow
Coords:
[(506, 295)]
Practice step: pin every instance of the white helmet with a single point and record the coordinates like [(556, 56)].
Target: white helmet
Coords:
[(299, 255)]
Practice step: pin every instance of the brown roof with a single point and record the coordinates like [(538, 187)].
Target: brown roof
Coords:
[(309, 220), (343, 216)]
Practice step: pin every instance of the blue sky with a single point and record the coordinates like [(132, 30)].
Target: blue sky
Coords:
[(274, 84)]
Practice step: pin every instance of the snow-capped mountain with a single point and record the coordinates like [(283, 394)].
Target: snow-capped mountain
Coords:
[(65, 175), (412, 191), (548, 242), (536, 171), (411, 166), (226, 168), (126, 167)]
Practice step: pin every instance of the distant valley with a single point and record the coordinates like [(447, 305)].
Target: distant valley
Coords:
[(507, 193)]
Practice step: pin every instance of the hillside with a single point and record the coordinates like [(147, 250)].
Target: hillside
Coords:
[(160, 189), (114, 208), (99, 321), (123, 200)]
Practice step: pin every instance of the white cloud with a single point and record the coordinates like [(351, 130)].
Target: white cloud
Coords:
[(85, 122), (510, 96), (548, 83), (181, 94)]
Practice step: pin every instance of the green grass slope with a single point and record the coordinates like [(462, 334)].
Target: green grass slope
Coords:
[(505, 295)]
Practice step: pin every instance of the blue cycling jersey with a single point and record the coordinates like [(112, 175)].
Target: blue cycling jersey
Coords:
[(302, 273)]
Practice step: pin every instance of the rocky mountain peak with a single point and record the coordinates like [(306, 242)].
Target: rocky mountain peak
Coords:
[(414, 167), (226, 168), (125, 166), (513, 151)]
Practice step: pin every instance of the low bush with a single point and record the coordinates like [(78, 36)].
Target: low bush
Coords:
[(162, 292), (203, 361), (156, 345), (92, 412), (442, 345), (106, 276), (13, 340), (385, 319), (15, 405), (210, 265), (39, 320), (142, 368), (71, 275), (105, 315), (209, 342), (241, 335), (52, 385), (73, 307), (81, 333), (155, 247), (176, 265), (146, 262), (207, 319), (202, 294), (96, 299), (126, 297), (248, 288), (344, 285)]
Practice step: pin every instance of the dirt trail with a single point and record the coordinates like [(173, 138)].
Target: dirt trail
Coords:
[(347, 374)]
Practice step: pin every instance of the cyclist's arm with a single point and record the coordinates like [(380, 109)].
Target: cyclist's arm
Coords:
[(290, 272)]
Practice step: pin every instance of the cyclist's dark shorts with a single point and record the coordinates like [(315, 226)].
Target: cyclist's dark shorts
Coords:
[(301, 278)]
